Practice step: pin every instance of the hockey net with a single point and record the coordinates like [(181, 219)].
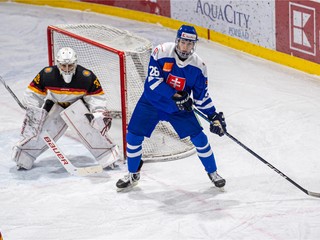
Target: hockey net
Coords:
[(120, 61)]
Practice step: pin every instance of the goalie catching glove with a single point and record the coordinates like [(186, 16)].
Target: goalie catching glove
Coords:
[(218, 124), (183, 101), (100, 120)]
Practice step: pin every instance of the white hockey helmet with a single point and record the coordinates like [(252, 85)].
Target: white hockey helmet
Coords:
[(66, 59)]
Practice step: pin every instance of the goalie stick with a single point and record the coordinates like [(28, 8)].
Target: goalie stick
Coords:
[(313, 194), (12, 93), (77, 171), (83, 171)]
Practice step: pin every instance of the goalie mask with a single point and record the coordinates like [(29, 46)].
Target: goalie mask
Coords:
[(186, 40), (66, 59)]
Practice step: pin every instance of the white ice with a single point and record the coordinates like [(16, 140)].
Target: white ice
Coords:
[(272, 109)]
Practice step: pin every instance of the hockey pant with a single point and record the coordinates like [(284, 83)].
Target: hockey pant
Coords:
[(26, 151)]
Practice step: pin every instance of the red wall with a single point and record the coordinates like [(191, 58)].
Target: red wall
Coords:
[(159, 7), (298, 28)]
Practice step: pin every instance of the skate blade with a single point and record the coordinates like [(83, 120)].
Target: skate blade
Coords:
[(127, 189)]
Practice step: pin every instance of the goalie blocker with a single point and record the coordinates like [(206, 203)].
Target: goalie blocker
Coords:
[(55, 123)]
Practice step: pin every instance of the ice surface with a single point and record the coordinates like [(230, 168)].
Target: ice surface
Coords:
[(272, 109)]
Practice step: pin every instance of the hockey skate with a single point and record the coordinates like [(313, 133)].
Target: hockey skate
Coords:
[(130, 180), (217, 180)]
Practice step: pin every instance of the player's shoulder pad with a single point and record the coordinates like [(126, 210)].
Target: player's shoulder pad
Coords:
[(86, 73), (48, 69), (81, 71), (163, 50), (197, 62)]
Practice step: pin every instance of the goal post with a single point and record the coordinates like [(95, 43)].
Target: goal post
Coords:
[(120, 61), (56, 36)]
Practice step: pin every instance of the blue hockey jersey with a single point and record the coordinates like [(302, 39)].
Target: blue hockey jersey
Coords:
[(167, 74)]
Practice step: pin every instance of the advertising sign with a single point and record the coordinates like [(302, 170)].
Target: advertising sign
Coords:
[(251, 21), (296, 28), (158, 7)]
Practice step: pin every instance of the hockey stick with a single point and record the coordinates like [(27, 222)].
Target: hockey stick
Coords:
[(12, 93), (313, 194), (83, 171)]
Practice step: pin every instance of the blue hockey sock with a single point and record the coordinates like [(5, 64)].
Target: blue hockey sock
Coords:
[(134, 151), (204, 152)]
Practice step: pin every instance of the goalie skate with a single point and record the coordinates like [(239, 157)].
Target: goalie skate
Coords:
[(217, 180)]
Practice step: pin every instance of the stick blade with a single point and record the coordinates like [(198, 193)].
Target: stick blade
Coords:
[(85, 171), (314, 194)]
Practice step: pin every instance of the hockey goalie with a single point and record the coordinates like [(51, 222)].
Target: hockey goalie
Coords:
[(63, 96)]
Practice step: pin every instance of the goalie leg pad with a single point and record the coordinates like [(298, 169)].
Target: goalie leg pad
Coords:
[(102, 147), (110, 157), (22, 158), (33, 122), (26, 151)]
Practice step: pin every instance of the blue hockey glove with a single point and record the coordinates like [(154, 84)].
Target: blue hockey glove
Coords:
[(218, 124), (183, 101)]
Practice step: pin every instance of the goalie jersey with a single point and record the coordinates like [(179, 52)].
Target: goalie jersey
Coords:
[(167, 74), (49, 84)]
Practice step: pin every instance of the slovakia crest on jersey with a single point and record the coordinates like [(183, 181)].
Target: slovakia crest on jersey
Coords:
[(177, 83)]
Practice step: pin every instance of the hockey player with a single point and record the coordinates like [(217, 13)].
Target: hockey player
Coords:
[(175, 72), (76, 99)]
